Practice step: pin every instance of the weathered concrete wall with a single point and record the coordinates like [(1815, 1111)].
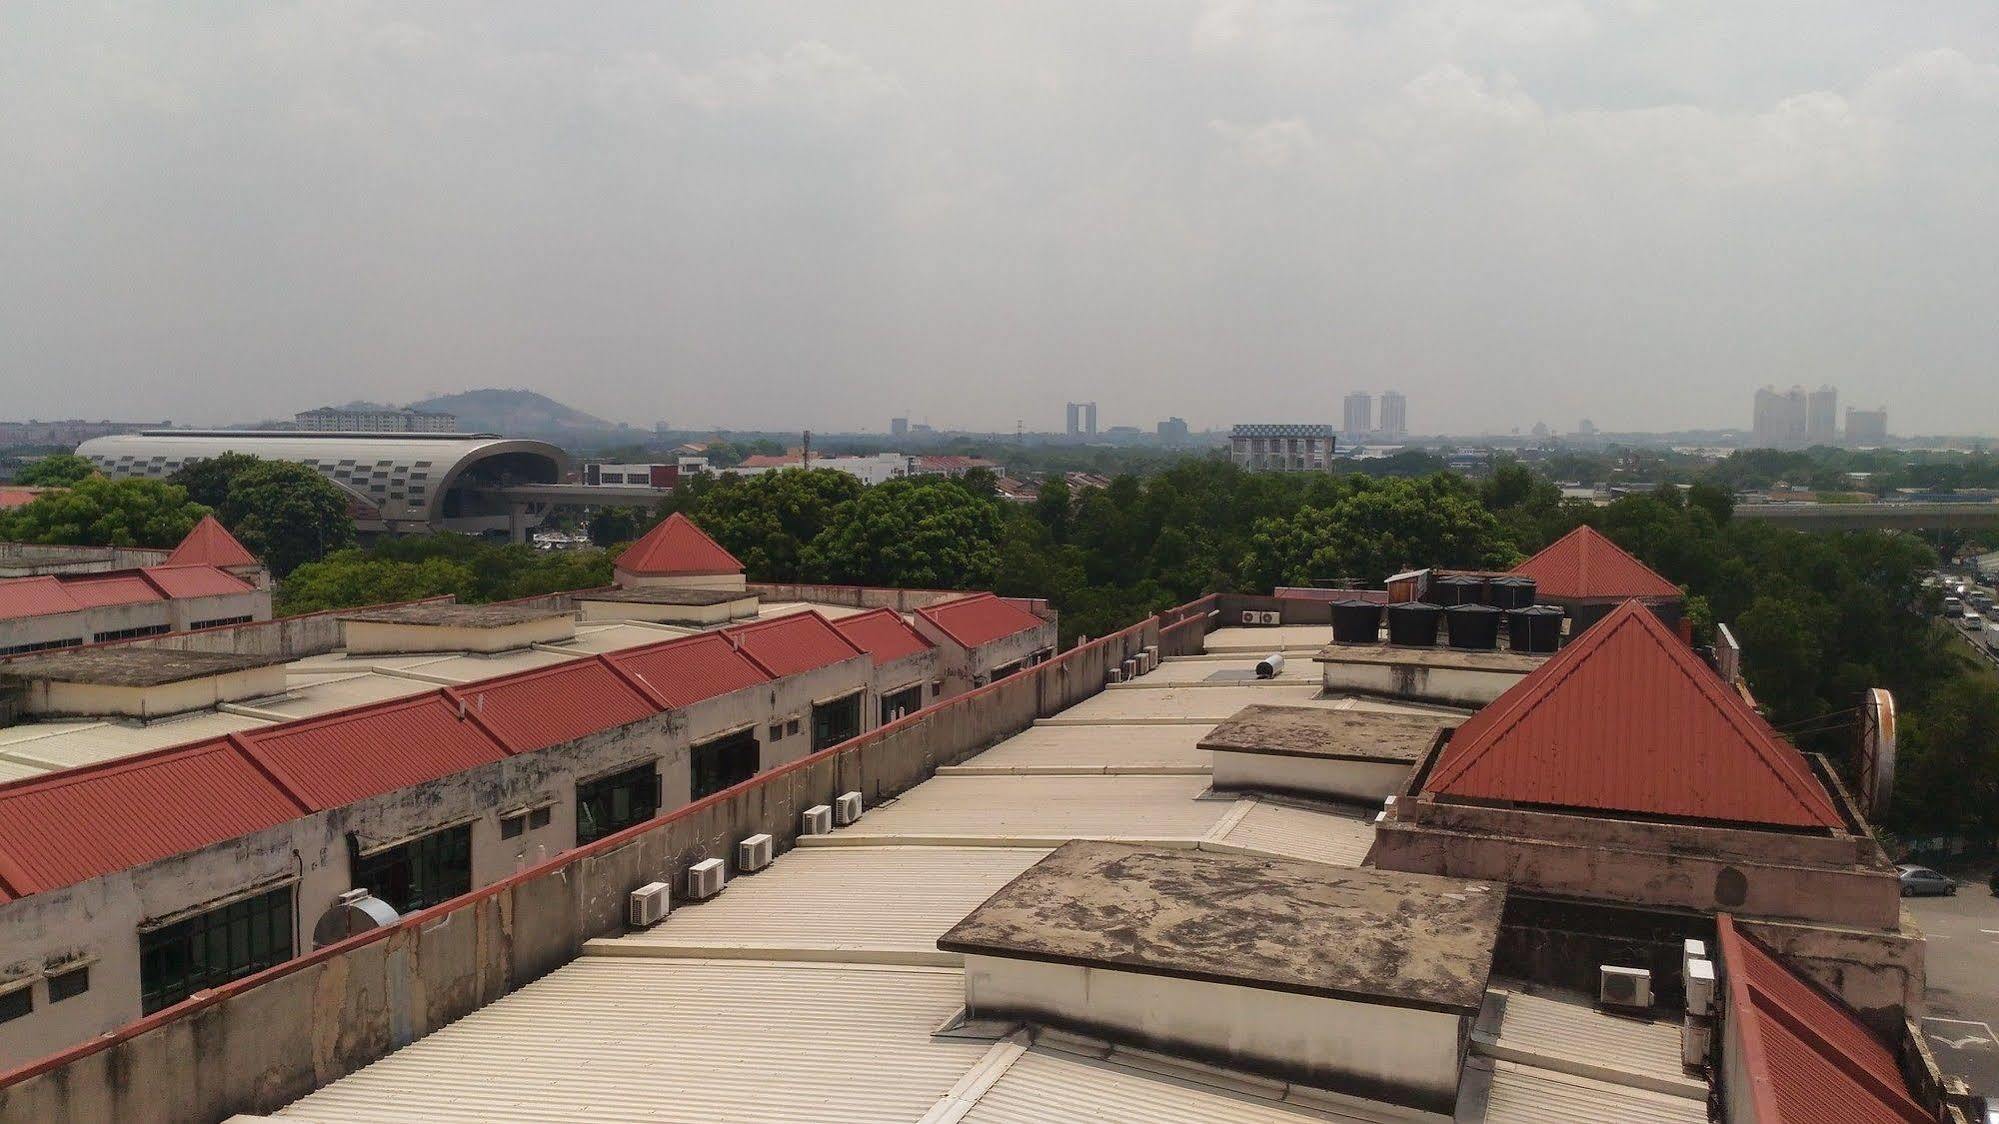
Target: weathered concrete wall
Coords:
[(1414, 681), (1880, 975), (21, 559), (260, 1042), (854, 596)]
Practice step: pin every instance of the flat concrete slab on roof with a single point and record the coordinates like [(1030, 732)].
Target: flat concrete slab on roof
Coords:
[(1268, 638), (456, 616), (1233, 669), (1095, 749), (668, 595), (1310, 731), (1187, 702), (1450, 658), (1278, 924), (1040, 811), (132, 667)]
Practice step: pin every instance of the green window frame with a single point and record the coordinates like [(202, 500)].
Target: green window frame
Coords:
[(420, 873), (723, 763), (836, 721), (210, 949), (616, 802)]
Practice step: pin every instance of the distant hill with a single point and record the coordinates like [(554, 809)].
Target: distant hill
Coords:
[(513, 412)]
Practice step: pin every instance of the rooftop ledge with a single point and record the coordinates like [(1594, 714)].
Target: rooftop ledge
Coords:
[(1439, 657), (1317, 732)]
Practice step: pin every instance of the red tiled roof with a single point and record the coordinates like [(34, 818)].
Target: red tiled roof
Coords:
[(210, 544), (686, 671), (1809, 1059), (195, 581), (81, 823), (792, 644), (677, 546), (771, 460), (22, 496), (1629, 719), (979, 619), (111, 589), (34, 597), (338, 758), (1584, 564), (882, 634), (537, 709)]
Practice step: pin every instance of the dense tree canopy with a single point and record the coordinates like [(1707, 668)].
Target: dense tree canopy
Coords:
[(286, 513), (475, 570), (57, 471), (100, 512)]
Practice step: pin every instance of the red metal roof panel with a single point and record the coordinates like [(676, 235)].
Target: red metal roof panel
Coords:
[(111, 589), (1629, 719), (34, 597), (547, 706), (350, 755), (1585, 564), (1810, 1059), (677, 546), (210, 544), (686, 671), (196, 581), (882, 634), (792, 644), (78, 824), (979, 619)]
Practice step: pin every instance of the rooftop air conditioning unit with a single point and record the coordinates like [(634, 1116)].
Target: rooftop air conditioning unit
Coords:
[(1251, 616), (1131, 669), (648, 904), (753, 854), (1273, 617), (817, 820), (705, 879), (1700, 987), (1690, 951), (1626, 988), (1114, 675), (1696, 1040), (847, 808)]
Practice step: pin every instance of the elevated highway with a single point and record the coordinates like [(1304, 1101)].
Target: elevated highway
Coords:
[(1873, 516)]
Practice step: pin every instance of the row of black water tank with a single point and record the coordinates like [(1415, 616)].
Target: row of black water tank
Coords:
[(1414, 624), (1505, 591)]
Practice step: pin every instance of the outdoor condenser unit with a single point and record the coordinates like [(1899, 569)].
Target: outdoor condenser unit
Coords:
[(648, 905)]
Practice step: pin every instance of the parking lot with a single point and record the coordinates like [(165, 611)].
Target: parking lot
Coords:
[(1963, 969)]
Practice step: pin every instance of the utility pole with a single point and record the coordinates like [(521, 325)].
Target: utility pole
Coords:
[(806, 458)]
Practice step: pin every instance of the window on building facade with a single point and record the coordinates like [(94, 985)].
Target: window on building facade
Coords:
[(218, 622), (18, 1002), (68, 984), (212, 948), (836, 721), (902, 703), (129, 633), (420, 873), (616, 802), (722, 763)]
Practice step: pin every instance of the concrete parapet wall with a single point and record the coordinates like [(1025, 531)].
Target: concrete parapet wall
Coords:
[(260, 1042), (1879, 975)]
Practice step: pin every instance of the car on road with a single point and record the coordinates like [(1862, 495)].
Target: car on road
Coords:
[(1921, 881)]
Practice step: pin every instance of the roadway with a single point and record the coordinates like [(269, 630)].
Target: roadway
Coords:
[(1873, 516), (1962, 963)]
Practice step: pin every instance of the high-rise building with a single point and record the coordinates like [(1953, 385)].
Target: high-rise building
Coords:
[(1394, 414), (1075, 419), (1866, 426), (1822, 416), (1780, 418), (1360, 414), (1283, 448), (1173, 431), (898, 426), (1090, 418)]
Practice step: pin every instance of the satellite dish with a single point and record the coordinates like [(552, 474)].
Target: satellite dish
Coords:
[(1877, 750), (357, 911)]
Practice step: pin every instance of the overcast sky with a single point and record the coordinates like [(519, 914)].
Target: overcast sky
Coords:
[(820, 214)]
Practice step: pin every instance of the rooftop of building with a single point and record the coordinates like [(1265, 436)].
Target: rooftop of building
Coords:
[(1305, 731), (447, 614), (1270, 923), (979, 618), (211, 544), (1584, 565), (48, 594), (677, 547), (666, 595), (131, 667), (1471, 659)]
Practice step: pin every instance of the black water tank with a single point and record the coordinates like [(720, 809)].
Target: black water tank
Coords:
[(1535, 628), (1356, 622), (1413, 624), (1511, 591), (1458, 589), (1474, 626)]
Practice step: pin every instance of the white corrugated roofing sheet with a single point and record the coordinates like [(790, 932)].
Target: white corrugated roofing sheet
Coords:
[(1188, 703), (1045, 1085), (1574, 1037), (700, 1041), (1098, 748), (1056, 808), (322, 695), (1527, 1095), (858, 902), (1301, 833), (1236, 671)]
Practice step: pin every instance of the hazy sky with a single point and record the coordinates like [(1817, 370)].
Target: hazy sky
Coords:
[(823, 213)]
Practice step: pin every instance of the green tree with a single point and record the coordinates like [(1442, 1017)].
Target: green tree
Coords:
[(350, 577), (1947, 776), (615, 525), (1378, 528), (208, 480), (767, 520), (287, 514), (101, 512), (929, 533), (58, 471)]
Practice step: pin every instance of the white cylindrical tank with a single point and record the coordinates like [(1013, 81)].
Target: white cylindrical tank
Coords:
[(1270, 666)]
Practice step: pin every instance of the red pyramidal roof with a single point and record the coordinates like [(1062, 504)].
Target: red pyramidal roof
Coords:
[(1629, 719), (210, 544), (1809, 1058), (677, 546), (1585, 564)]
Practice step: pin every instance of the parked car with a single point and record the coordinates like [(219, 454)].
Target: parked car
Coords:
[(1921, 881)]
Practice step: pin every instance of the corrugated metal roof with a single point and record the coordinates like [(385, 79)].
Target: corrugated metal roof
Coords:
[(882, 634), (195, 581), (792, 645), (339, 758), (980, 619), (536, 709), (210, 544), (34, 597), (1043, 1085), (1301, 833), (112, 589), (1629, 719), (689, 669), (1099, 748), (1047, 808), (1576, 1038), (1525, 1095), (677, 546), (1585, 564), (71, 826), (826, 900), (1808, 1057), (609, 1038)]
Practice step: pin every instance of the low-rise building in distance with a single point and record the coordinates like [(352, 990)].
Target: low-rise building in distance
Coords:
[(1283, 447)]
